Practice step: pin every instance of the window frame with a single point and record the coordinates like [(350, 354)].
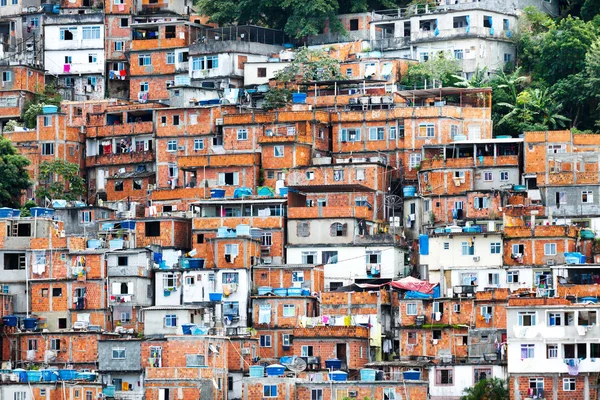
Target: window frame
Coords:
[(551, 252), (409, 306), (438, 376)]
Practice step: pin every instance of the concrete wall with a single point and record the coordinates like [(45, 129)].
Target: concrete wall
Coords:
[(132, 355), (463, 377), (251, 72)]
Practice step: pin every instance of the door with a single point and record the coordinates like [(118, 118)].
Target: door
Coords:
[(340, 350)]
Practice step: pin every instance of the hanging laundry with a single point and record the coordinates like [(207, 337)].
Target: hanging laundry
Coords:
[(264, 314), (347, 320), (67, 68)]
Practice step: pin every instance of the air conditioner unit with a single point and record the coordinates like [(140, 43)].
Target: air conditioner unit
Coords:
[(476, 258), (549, 262), (231, 331), (180, 148), (352, 393), (267, 260), (245, 351), (219, 121)]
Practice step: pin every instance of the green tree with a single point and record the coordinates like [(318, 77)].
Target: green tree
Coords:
[(441, 68), (69, 185), (478, 80), (310, 65), (534, 109), (487, 389), (277, 98), (32, 108), (14, 177)]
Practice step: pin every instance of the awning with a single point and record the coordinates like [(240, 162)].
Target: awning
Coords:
[(413, 284)]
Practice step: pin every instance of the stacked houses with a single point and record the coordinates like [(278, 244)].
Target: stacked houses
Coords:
[(365, 241)]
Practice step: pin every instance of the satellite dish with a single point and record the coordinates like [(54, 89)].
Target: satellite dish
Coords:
[(297, 365)]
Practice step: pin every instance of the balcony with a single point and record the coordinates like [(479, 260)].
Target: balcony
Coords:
[(180, 193), (361, 212), (340, 177), (225, 160), (467, 162), (464, 290), (134, 128), (135, 157), (271, 222)]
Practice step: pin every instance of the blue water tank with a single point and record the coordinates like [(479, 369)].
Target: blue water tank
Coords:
[(30, 324), (411, 375), (49, 109), (299, 98), (275, 370), (333, 363), (424, 245), (338, 376), (409, 191), (21, 373), (257, 371), (187, 328), (217, 193), (280, 292), (34, 376), (49, 375), (10, 320), (368, 375), (294, 292)]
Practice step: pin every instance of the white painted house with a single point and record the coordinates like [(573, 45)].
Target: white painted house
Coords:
[(74, 54)]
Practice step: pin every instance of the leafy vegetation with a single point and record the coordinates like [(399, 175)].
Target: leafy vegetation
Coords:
[(69, 185), (32, 108), (488, 389), (14, 177), (310, 65)]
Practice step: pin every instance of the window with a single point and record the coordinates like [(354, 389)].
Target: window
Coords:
[(480, 203), (289, 310), (44, 292), (231, 250), (47, 148), (446, 246), (198, 144), (518, 249), (118, 185), (194, 360), (269, 390), (551, 351), (212, 62), (486, 310), (443, 376), (316, 394), (586, 318), (351, 135), (197, 63), (527, 318), (55, 344), (412, 337), (86, 217), (124, 22), (587, 196), (337, 229), (504, 176), (555, 319), (118, 354), (389, 394), (488, 176), (265, 340), (122, 261), (458, 54), (32, 344), (67, 33), (494, 279), (496, 248), (569, 384), (261, 72), (426, 130), (373, 257), (92, 58), (512, 277), (392, 133), (242, 134), (349, 72), (91, 32), (171, 57), (527, 350), (436, 334), (480, 374), (329, 257), (507, 57), (266, 239), (172, 145), (550, 249), (119, 46), (411, 309), (537, 385), (303, 229), (144, 59), (594, 350), (20, 395), (171, 320), (56, 292), (286, 340), (338, 175), (306, 351), (169, 281), (468, 248), (557, 148), (189, 280), (6, 76), (414, 161), (376, 133), (309, 257), (278, 151), (144, 87), (175, 120)]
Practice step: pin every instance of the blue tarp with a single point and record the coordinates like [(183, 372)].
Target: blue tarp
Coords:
[(242, 192), (411, 294)]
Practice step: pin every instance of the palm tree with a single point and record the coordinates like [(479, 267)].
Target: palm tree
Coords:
[(535, 106), (478, 80), (488, 389)]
